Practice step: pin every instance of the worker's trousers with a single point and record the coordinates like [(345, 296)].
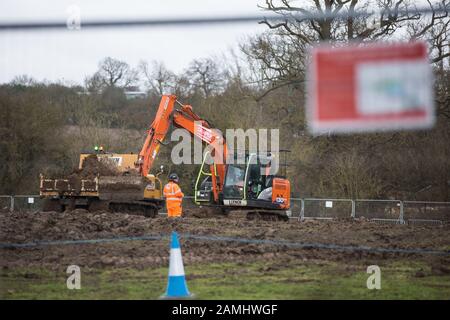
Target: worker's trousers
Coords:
[(174, 208)]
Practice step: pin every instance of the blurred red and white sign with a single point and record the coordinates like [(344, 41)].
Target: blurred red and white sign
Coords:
[(369, 88)]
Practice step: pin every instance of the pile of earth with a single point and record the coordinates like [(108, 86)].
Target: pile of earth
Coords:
[(94, 166)]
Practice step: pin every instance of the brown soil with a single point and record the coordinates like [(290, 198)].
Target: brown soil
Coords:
[(92, 167), (18, 227)]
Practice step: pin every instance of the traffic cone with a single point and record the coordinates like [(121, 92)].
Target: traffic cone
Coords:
[(176, 286)]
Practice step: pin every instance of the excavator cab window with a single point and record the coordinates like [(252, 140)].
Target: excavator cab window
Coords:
[(204, 192), (206, 184), (255, 181), (234, 182), (259, 177)]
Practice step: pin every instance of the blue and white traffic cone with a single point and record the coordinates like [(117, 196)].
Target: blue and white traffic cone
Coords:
[(176, 286)]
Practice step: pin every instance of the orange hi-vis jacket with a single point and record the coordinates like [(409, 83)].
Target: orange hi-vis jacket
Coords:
[(174, 197)]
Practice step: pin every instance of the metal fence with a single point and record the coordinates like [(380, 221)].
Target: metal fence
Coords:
[(379, 210), (20, 202), (426, 211), (321, 208), (6, 203)]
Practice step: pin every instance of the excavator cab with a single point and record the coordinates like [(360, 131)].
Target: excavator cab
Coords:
[(252, 184)]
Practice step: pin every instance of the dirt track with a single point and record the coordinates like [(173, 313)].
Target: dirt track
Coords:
[(28, 227)]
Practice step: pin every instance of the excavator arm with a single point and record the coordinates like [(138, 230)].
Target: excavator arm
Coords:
[(156, 134), (185, 118)]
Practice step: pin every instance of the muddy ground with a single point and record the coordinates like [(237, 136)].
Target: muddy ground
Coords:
[(24, 227)]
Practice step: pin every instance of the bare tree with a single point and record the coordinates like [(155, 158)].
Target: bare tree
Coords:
[(280, 53), (94, 83), (338, 29), (274, 61), (23, 80), (112, 73), (434, 29), (205, 75), (158, 77)]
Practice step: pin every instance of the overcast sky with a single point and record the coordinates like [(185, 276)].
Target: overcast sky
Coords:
[(71, 55)]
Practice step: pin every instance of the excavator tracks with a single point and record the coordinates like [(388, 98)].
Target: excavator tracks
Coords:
[(144, 208), (267, 215), (212, 211)]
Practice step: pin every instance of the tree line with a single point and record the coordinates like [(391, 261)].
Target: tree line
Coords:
[(44, 126)]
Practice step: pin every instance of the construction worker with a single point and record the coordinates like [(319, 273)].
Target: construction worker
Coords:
[(174, 196)]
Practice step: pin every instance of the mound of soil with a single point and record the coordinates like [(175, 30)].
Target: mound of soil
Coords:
[(92, 167)]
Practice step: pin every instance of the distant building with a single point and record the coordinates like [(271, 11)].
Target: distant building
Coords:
[(130, 93), (134, 92)]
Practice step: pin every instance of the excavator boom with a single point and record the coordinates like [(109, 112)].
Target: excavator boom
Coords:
[(185, 118), (156, 134)]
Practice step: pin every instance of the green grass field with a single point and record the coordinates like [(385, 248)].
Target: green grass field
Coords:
[(319, 280)]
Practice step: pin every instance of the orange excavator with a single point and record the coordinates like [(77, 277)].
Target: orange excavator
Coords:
[(249, 185)]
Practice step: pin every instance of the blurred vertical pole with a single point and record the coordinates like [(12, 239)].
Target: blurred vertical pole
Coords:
[(301, 217), (11, 209), (353, 209), (402, 221)]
